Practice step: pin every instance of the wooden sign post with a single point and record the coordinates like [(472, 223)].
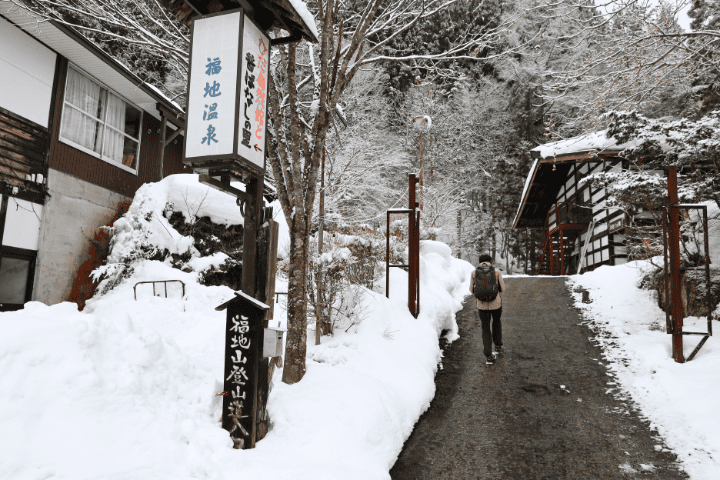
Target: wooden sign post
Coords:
[(243, 347), (226, 141)]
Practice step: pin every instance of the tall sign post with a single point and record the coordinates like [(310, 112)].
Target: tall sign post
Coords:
[(225, 141), (413, 265)]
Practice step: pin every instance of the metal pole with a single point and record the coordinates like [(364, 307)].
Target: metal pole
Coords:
[(413, 239), (707, 270), (320, 317), (666, 278), (562, 252), (674, 248), (162, 145), (387, 258), (421, 174)]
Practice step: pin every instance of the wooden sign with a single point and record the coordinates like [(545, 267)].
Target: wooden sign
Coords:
[(243, 355), (227, 95)]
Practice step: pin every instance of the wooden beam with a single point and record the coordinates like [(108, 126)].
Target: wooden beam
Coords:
[(175, 119), (174, 135)]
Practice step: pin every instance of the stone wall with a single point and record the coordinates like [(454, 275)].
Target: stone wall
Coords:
[(71, 217)]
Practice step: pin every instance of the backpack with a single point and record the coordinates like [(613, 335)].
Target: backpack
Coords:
[(485, 286)]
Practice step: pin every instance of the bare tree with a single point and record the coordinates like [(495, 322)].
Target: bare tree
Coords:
[(349, 39)]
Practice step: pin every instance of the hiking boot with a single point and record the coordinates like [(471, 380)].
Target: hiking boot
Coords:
[(490, 360), (498, 349)]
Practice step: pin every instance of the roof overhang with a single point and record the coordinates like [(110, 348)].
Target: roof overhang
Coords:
[(95, 62), (544, 181), (289, 15)]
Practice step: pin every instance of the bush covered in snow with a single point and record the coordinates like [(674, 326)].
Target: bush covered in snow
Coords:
[(180, 222)]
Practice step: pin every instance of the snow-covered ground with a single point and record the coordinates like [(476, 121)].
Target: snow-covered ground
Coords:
[(127, 388), (682, 401)]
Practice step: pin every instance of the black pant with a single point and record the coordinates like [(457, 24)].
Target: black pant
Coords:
[(487, 336)]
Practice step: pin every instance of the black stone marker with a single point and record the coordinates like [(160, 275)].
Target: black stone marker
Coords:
[(243, 354)]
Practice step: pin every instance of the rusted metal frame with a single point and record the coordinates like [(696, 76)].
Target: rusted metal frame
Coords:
[(707, 334), (669, 327), (674, 248), (413, 244), (387, 248), (413, 264), (697, 349), (158, 281), (707, 271)]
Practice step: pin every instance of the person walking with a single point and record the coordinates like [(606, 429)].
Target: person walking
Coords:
[(489, 304)]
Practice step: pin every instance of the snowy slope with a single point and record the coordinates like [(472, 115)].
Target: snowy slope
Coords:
[(126, 389), (682, 401)]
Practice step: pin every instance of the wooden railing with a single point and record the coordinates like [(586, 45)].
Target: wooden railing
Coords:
[(561, 214), (567, 213)]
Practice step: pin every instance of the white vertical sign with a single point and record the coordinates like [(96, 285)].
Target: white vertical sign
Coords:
[(213, 85), (253, 94)]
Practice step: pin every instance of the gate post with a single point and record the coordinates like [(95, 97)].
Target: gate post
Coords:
[(413, 249), (413, 264), (674, 250)]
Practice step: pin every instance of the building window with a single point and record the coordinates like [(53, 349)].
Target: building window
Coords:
[(17, 268), (97, 121)]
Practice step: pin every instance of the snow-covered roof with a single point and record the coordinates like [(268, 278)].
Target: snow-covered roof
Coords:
[(528, 180), (306, 16), (595, 142)]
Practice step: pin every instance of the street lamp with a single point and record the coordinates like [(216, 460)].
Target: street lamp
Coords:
[(423, 124)]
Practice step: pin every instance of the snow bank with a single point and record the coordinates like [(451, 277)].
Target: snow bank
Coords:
[(682, 401), (126, 389)]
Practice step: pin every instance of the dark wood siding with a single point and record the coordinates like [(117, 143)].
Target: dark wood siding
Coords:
[(87, 167), (23, 156), (173, 157)]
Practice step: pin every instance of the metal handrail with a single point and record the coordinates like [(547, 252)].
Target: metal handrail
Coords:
[(158, 281)]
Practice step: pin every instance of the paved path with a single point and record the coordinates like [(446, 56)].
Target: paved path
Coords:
[(512, 420)]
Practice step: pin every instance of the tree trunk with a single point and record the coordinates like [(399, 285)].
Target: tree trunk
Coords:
[(296, 345)]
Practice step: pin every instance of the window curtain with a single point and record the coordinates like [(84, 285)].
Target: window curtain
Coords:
[(114, 140), (87, 98)]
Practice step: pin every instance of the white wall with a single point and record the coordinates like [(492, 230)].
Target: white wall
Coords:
[(27, 70), (22, 224)]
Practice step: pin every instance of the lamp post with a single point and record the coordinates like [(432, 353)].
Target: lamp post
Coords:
[(423, 124)]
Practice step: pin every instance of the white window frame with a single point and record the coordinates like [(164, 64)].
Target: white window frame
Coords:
[(104, 123)]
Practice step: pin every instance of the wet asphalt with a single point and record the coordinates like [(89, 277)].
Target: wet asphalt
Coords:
[(513, 420)]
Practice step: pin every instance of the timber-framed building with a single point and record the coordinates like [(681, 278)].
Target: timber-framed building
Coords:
[(579, 231)]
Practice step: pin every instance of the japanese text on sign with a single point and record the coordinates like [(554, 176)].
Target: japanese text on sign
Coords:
[(213, 85), (255, 57)]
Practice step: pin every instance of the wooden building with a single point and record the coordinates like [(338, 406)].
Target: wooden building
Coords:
[(579, 230), (79, 134)]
